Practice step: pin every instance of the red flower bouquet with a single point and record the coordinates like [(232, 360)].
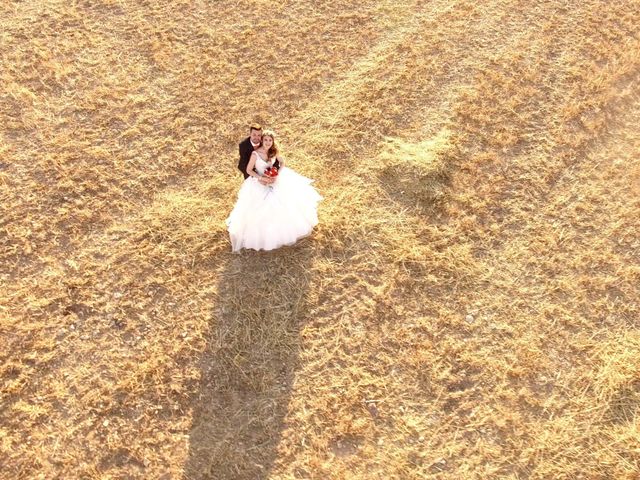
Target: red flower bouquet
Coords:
[(271, 172)]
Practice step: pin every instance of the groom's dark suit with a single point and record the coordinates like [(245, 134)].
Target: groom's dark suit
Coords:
[(246, 149)]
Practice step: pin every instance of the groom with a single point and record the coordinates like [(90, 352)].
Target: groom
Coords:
[(248, 145)]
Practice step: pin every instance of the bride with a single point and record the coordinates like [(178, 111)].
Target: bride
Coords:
[(272, 211)]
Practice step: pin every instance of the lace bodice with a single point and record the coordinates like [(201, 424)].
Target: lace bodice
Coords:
[(261, 164)]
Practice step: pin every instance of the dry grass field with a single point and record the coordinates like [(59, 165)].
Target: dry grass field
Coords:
[(468, 307)]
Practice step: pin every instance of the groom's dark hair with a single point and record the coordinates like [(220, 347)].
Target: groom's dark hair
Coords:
[(255, 126)]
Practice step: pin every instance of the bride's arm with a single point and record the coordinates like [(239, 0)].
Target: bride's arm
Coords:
[(281, 160), (251, 165), (251, 173)]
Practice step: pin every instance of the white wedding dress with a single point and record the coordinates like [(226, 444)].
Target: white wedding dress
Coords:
[(266, 217)]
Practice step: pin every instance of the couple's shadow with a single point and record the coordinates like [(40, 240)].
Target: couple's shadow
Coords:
[(249, 364)]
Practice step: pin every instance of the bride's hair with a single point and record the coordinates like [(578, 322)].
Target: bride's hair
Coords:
[(273, 151)]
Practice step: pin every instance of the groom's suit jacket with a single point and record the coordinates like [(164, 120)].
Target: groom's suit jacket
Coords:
[(246, 149)]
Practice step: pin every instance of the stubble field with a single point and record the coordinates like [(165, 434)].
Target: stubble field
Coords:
[(466, 309)]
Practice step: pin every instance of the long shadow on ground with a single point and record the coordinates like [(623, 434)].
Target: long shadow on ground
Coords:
[(249, 364)]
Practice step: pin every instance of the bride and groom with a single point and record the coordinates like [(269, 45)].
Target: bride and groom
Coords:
[(276, 206)]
